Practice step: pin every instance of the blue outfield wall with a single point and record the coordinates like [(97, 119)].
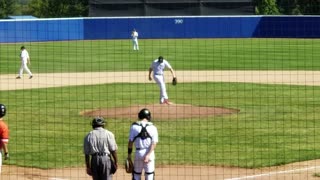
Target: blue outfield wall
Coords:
[(41, 30), (160, 27), (288, 27), (171, 27)]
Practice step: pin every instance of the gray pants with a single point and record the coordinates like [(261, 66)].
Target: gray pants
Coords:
[(100, 167)]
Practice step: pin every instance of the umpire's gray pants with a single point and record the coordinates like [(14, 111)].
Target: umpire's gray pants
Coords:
[(100, 167)]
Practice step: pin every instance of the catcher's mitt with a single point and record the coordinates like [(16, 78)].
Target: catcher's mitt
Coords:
[(174, 81), (128, 164)]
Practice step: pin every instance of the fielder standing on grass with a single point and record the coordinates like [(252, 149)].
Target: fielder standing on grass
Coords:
[(158, 66), (25, 59), (144, 136), (99, 145), (134, 36), (4, 135)]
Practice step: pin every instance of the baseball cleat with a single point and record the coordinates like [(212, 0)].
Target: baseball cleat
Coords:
[(30, 77), (166, 101), (18, 77)]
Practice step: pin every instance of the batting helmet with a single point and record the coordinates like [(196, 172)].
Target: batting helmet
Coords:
[(144, 113), (2, 110), (160, 59), (98, 122)]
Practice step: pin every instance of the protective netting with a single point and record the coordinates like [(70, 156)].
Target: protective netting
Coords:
[(245, 106)]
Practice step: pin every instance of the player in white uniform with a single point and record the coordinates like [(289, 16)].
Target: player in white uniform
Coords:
[(145, 143), (158, 66), (134, 36), (24, 56)]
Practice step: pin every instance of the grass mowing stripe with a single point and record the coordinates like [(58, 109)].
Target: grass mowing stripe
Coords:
[(183, 54)]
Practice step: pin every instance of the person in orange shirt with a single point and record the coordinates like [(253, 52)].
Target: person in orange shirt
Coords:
[(4, 135)]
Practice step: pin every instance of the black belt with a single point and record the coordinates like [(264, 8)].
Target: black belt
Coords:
[(140, 148), (99, 154)]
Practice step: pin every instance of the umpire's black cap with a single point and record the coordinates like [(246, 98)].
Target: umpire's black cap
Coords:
[(98, 122)]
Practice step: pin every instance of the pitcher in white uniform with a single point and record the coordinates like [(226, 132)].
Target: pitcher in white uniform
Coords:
[(158, 66), (25, 59), (134, 35)]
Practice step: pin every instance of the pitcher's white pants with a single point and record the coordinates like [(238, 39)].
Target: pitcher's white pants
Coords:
[(162, 85), (140, 165), (24, 67)]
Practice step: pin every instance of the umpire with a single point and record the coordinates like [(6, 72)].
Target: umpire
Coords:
[(99, 145)]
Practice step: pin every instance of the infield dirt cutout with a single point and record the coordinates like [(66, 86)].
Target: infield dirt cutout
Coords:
[(293, 171), (162, 111)]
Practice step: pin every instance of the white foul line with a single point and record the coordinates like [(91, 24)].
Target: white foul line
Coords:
[(273, 173)]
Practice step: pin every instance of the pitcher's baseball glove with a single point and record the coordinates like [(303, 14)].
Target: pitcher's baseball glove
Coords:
[(128, 164), (174, 81)]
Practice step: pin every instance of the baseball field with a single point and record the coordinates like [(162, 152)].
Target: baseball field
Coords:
[(260, 98)]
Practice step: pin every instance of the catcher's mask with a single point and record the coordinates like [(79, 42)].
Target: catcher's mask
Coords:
[(3, 110), (160, 59), (145, 113), (98, 122)]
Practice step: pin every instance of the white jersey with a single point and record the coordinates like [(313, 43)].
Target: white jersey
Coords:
[(158, 68), (24, 55), (135, 35), (146, 143)]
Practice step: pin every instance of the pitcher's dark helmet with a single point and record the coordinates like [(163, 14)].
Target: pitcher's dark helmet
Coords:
[(144, 113), (98, 122), (3, 110)]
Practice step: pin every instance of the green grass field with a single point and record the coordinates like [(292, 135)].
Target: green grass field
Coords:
[(277, 124), (183, 54)]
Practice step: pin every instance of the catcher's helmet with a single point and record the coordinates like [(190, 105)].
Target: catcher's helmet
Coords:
[(2, 110), (98, 122), (160, 59), (144, 113)]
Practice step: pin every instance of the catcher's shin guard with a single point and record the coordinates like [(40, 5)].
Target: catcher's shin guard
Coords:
[(149, 175)]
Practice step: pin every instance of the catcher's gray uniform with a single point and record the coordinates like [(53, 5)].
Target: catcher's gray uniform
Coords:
[(98, 143)]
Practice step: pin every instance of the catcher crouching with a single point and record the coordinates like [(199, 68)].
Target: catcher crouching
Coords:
[(144, 136)]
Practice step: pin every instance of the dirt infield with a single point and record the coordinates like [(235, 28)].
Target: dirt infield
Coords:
[(162, 111), (294, 171), (308, 78)]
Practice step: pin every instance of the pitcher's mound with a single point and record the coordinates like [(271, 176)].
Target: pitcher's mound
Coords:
[(161, 111)]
